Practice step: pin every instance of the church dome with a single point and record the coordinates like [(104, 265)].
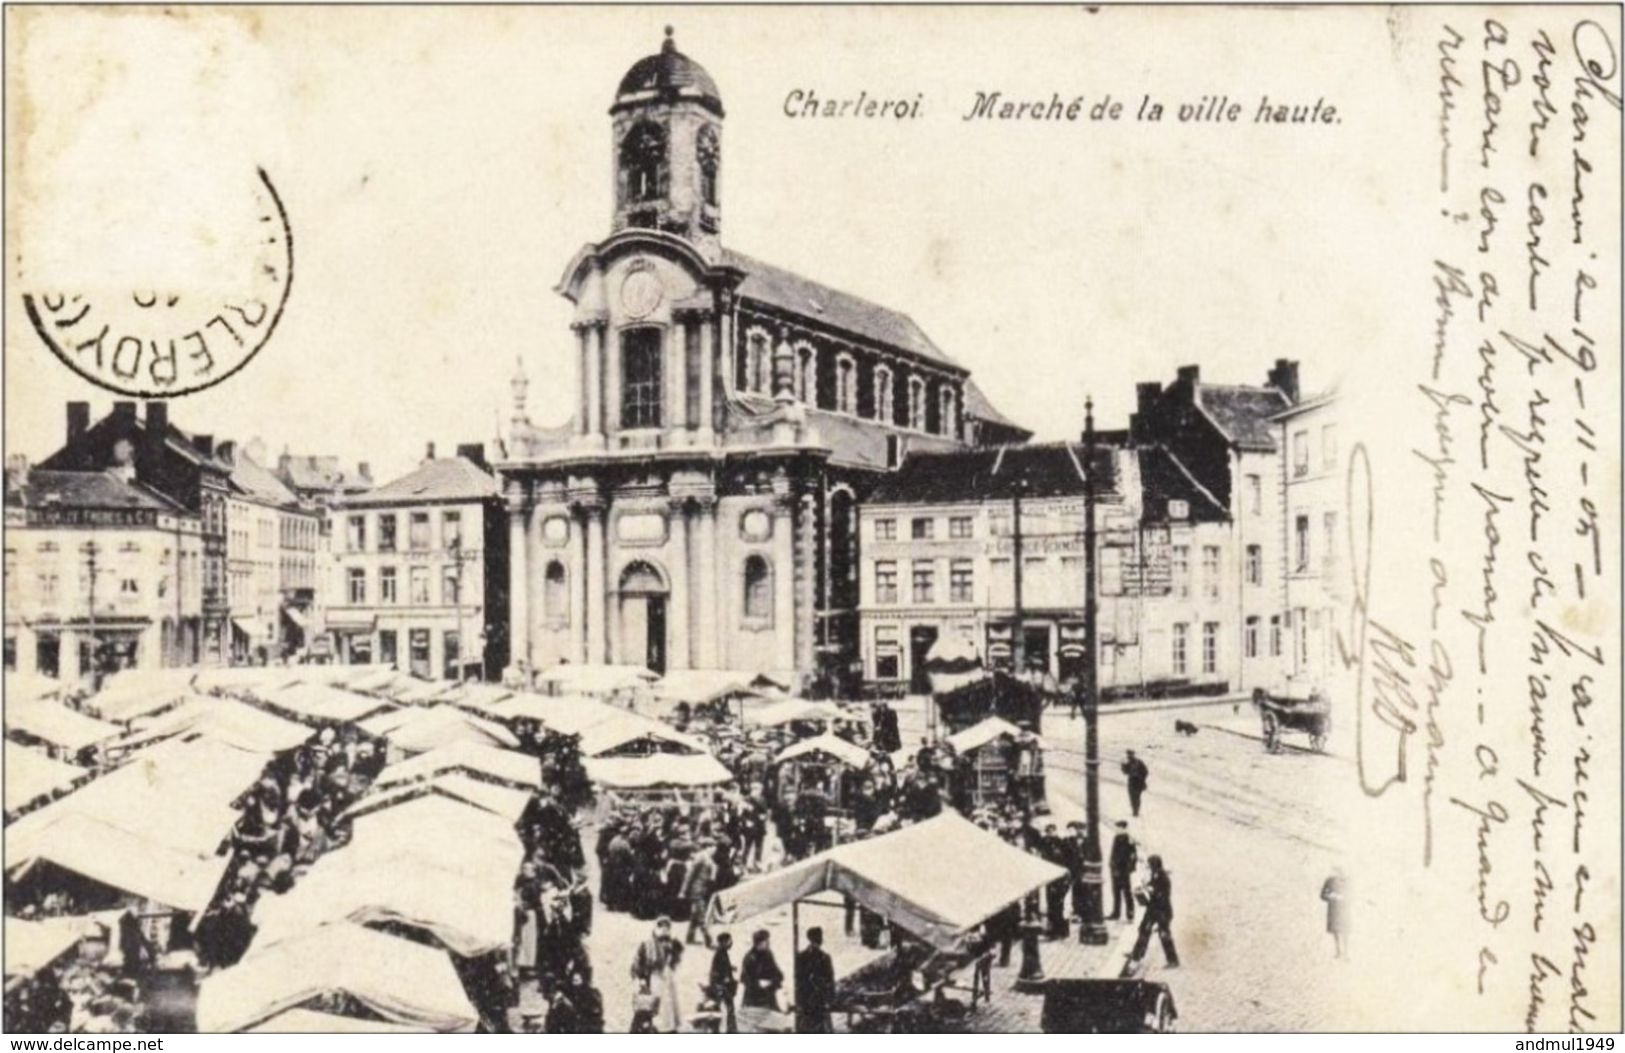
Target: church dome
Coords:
[(668, 75)]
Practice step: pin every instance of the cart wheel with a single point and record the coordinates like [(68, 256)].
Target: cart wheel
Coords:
[(1165, 1016), (1272, 732)]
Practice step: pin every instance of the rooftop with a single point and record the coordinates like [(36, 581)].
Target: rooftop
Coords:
[(102, 491), (440, 479)]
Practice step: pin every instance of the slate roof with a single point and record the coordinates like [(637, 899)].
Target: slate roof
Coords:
[(667, 72), (990, 473), (442, 479), (321, 473), (260, 483), (1242, 413), (819, 303), (91, 490), (978, 406), (1164, 478)]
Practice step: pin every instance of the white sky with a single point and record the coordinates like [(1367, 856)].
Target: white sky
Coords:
[(440, 167)]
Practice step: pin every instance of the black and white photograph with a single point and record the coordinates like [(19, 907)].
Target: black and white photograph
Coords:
[(806, 519)]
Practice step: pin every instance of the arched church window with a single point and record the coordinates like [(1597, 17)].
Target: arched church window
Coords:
[(556, 592), (709, 149), (643, 160), (758, 367), (885, 408), (916, 403), (807, 375), (947, 424), (846, 385), (758, 589), (640, 378)]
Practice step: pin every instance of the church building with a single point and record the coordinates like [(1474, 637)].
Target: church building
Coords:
[(699, 509)]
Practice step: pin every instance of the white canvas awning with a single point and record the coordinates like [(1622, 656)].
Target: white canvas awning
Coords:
[(794, 710), (656, 771), (420, 729), (598, 679), (319, 703), (699, 686), (499, 800), (31, 775), (402, 982), (117, 858), (56, 725), (223, 719), (32, 945), (851, 755), (625, 728), (314, 1022), (132, 693), (30, 687), (509, 767), (978, 735), (915, 876), (467, 913), (255, 679), (560, 714)]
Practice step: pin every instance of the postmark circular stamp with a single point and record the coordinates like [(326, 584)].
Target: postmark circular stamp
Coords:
[(162, 343)]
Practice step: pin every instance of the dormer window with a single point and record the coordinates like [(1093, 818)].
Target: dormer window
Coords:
[(643, 160)]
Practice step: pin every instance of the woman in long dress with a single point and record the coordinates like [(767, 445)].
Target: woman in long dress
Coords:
[(654, 967), (1335, 893)]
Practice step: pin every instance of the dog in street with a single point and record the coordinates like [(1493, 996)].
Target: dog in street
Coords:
[(1184, 727)]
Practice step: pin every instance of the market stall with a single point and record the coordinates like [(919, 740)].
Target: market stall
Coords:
[(486, 763), (53, 727), (824, 766), (692, 778), (420, 729), (32, 778), (1007, 762), (623, 685)]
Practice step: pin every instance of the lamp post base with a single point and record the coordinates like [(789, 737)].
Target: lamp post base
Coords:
[(1091, 910)]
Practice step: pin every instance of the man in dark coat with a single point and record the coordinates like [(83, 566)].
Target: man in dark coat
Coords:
[(1159, 915), (1125, 856), (815, 986), (887, 737), (1137, 774), (1051, 850), (761, 974), (724, 983)]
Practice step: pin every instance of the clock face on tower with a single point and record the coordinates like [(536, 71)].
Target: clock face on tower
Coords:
[(641, 292)]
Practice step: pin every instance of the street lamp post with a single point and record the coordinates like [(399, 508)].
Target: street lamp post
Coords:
[(1093, 928)]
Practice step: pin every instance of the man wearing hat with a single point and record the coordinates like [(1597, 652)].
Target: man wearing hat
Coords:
[(1125, 855)]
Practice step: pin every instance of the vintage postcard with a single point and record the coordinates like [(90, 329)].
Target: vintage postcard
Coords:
[(812, 519)]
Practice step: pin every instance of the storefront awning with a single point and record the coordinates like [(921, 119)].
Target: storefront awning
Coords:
[(248, 627), (296, 616), (351, 623)]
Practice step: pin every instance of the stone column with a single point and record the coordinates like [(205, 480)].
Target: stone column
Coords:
[(784, 584), (678, 609), (536, 560), (583, 381), (705, 573), (677, 353), (578, 589), (596, 636), (609, 353), (518, 578)]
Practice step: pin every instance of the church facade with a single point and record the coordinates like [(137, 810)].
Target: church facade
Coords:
[(698, 511)]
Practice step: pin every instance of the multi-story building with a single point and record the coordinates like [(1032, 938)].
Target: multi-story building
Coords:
[(419, 571), (319, 481), (273, 542), (102, 572), (184, 468), (940, 543), (1312, 515), (699, 510)]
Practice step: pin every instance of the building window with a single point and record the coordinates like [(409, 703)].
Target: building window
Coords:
[(420, 585), (387, 591), (1181, 570), (452, 653), (757, 354), (758, 589), (387, 647), (807, 374), (450, 584), (888, 653), (451, 530), (846, 385), (961, 581), (356, 534), (358, 585), (643, 159), (1255, 565), (925, 582), (1181, 641), (709, 151), (885, 401), (1275, 636), (1210, 570), (946, 422), (916, 403), (418, 640), (1250, 637), (419, 539), (1210, 648), (885, 530), (1328, 447), (556, 592), (998, 524), (923, 529), (640, 378), (960, 527), (886, 581), (1328, 556), (1300, 546), (1255, 494), (1300, 454)]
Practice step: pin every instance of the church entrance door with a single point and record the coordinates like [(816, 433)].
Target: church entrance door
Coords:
[(643, 618)]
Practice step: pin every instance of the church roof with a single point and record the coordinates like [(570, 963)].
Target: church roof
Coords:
[(978, 406), (441, 479), (819, 303), (668, 73)]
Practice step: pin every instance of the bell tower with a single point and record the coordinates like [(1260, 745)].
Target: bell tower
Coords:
[(667, 122)]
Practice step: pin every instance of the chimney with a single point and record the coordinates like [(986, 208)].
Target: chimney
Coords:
[(1145, 401), (364, 470), (156, 433), (1284, 377), (17, 469), (228, 452), (1189, 376), (78, 420), (205, 443), (430, 455), (124, 410), (474, 453)]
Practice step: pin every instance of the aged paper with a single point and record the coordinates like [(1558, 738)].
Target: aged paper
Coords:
[(1109, 516)]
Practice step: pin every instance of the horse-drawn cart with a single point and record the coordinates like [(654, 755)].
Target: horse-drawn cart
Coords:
[(1294, 707)]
